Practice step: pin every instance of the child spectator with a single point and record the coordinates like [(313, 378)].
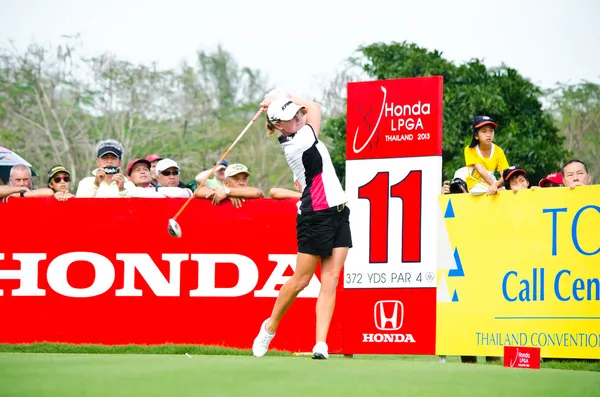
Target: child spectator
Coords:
[(483, 158), (515, 179), (59, 180)]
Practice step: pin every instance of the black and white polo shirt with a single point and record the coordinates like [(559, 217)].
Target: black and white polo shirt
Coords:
[(311, 164)]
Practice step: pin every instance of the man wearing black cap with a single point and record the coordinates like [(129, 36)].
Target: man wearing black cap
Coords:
[(108, 181)]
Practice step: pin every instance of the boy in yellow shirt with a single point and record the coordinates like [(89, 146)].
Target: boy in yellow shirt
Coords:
[(483, 158)]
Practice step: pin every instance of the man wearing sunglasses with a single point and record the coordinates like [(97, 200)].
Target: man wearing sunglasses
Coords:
[(167, 173)]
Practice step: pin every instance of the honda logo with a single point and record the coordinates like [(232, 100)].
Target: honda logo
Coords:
[(389, 315)]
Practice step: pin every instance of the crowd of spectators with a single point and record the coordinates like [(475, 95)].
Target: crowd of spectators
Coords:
[(486, 171), (483, 159), (150, 177)]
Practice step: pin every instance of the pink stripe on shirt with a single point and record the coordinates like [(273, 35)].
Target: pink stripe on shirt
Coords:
[(317, 193)]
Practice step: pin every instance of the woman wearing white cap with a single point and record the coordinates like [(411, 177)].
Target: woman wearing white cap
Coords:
[(322, 223)]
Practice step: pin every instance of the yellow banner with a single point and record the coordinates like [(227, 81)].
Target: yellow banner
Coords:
[(526, 272)]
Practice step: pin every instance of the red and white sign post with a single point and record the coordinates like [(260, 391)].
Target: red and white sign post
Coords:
[(393, 176)]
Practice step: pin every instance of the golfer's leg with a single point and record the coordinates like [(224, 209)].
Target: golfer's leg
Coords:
[(305, 268), (331, 267)]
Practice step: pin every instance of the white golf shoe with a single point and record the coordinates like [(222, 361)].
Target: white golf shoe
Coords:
[(261, 342), (320, 351)]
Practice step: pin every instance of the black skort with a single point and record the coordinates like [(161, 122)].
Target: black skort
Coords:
[(320, 232)]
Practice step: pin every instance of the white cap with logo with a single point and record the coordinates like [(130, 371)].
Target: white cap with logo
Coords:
[(282, 109)]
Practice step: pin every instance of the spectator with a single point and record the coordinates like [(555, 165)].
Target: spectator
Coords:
[(138, 172), (483, 157), (153, 159), (21, 182), (59, 180), (167, 172), (458, 184), (281, 193), (552, 180), (515, 179), (107, 180), (216, 182), (8, 190), (20, 176), (235, 189), (575, 173)]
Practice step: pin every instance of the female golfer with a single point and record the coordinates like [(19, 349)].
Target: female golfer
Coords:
[(322, 226)]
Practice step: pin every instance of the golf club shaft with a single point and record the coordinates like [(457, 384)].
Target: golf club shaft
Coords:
[(219, 162)]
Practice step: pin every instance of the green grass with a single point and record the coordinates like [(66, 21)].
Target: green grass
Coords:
[(46, 347), (149, 375), (592, 365)]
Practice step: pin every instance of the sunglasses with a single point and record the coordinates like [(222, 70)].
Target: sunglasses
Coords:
[(57, 179), (169, 173)]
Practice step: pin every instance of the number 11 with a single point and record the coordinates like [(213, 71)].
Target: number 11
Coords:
[(378, 192)]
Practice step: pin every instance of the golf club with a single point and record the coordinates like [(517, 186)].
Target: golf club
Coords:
[(174, 228)]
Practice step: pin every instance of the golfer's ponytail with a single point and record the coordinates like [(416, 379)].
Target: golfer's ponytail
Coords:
[(270, 127)]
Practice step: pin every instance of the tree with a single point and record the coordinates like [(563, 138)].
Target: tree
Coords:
[(526, 133), (55, 106), (576, 109)]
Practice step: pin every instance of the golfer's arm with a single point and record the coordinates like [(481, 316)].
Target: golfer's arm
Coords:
[(312, 112), (247, 192)]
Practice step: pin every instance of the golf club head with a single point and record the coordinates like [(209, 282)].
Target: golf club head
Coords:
[(174, 229)]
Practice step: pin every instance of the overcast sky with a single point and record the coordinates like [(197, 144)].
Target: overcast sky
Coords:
[(300, 45)]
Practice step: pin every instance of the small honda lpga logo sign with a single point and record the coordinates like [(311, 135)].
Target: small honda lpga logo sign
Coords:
[(522, 357), (389, 315)]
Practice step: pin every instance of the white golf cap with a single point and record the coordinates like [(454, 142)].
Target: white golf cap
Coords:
[(282, 109), (165, 164)]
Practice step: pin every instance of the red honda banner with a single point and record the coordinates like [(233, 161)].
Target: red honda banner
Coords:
[(107, 271)]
